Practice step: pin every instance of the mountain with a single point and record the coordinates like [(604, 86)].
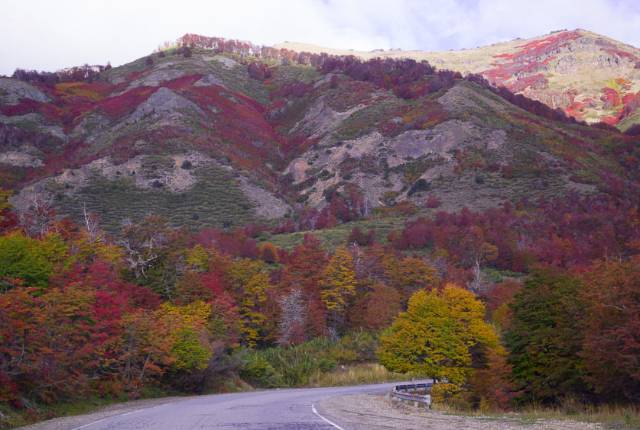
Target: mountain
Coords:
[(591, 77), (215, 132)]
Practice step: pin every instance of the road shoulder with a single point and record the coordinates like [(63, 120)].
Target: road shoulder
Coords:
[(376, 412)]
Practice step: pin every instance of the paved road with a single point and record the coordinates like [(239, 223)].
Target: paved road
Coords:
[(287, 409)]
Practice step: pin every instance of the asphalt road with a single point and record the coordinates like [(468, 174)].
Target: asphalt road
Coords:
[(286, 409)]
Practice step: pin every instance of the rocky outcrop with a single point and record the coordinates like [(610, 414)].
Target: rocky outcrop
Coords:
[(13, 90)]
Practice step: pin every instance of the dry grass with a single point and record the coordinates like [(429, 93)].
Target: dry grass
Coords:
[(367, 373), (608, 416)]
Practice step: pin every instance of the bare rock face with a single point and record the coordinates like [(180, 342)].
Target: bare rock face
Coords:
[(164, 104), (321, 120), (208, 80), (157, 77), (19, 159), (380, 162), (12, 90), (266, 204)]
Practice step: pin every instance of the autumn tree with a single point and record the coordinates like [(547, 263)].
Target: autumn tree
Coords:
[(249, 282), (143, 351), (611, 352), (28, 261), (437, 335), (187, 325), (409, 274), (338, 286), (190, 288), (305, 266), (47, 341), (198, 258), (304, 271), (490, 385), (383, 304), (499, 298), (269, 253)]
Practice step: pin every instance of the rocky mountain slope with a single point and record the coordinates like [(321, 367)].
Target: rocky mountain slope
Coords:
[(589, 76), (219, 133)]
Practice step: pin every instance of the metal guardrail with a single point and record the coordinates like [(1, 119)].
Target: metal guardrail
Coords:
[(406, 392)]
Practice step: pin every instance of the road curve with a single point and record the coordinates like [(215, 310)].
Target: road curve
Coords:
[(286, 409)]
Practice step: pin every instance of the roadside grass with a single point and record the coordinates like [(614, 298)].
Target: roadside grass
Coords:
[(610, 416), (12, 418), (34, 412), (358, 374)]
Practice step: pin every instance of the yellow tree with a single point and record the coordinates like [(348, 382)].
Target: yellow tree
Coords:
[(197, 258), (249, 281), (436, 335), (339, 284), (188, 333)]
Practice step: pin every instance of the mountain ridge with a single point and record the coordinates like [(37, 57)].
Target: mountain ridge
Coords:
[(542, 68), (213, 132)]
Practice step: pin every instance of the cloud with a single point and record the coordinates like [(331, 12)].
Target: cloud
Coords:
[(48, 35)]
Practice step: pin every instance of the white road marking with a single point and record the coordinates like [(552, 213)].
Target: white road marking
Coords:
[(328, 421), (112, 416), (90, 424)]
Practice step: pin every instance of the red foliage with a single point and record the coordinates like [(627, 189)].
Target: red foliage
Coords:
[(501, 293), (117, 106), (240, 120), (432, 202), (235, 243), (304, 267), (612, 332), (611, 98), (570, 231), (526, 60), (536, 81), (104, 278), (182, 82), (24, 107), (213, 282)]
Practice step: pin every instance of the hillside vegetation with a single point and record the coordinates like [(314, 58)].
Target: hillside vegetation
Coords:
[(219, 213)]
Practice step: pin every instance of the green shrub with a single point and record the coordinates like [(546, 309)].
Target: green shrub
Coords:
[(258, 371), (295, 365)]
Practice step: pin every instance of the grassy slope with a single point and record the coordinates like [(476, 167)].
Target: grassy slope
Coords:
[(338, 235), (215, 200)]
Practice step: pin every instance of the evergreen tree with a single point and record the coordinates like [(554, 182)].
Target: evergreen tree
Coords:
[(545, 337)]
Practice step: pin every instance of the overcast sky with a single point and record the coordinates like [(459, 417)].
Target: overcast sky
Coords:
[(51, 34)]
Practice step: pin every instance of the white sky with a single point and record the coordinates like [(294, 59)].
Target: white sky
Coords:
[(51, 34)]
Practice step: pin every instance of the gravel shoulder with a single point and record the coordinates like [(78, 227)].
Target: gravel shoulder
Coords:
[(376, 412)]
